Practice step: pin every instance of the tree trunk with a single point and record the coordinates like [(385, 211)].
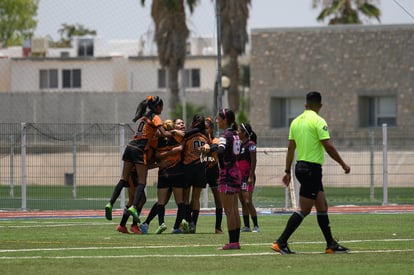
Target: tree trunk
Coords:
[(233, 93), (174, 89)]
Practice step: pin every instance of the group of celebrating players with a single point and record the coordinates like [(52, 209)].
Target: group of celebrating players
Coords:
[(188, 160)]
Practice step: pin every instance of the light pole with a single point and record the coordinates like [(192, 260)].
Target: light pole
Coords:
[(225, 84), (219, 70)]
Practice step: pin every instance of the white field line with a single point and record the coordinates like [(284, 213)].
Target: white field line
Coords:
[(192, 256), (179, 246), (8, 251)]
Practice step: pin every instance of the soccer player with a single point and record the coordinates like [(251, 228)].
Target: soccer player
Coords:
[(309, 137), (230, 176), (247, 162), (138, 152), (196, 143), (212, 173), (170, 175)]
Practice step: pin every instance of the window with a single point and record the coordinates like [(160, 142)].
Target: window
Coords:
[(376, 110), (162, 78), (284, 110), (192, 78), (71, 78), (85, 47), (48, 79)]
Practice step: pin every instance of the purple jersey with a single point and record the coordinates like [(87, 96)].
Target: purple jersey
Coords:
[(230, 177), (246, 148), (231, 143)]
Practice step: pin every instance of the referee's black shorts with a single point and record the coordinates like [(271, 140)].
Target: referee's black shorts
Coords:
[(309, 176)]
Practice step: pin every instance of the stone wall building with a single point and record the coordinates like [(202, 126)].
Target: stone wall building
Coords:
[(365, 75)]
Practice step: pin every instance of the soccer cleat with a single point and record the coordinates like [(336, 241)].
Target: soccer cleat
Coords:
[(134, 213), (230, 246), (144, 228), (161, 228), (256, 229), (135, 229), (336, 248), (245, 229), (219, 231), (192, 228), (281, 249), (108, 211), (122, 229), (184, 225), (176, 231)]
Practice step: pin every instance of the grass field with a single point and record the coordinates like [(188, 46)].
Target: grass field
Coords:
[(379, 243)]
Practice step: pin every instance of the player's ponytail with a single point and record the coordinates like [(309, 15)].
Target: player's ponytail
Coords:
[(247, 128), (150, 102), (230, 117), (154, 102), (142, 107)]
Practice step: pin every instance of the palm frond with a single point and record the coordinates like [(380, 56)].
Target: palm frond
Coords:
[(370, 11)]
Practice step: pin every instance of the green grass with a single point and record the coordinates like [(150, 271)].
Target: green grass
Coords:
[(52, 197), (380, 244)]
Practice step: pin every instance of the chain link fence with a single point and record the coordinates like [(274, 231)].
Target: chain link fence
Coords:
[(76, 166)]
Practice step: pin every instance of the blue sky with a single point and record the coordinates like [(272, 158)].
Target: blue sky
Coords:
[(127, 19)]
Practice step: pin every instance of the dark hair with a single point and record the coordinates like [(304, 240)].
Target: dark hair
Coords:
[(247, 128), (314, 99), (198, 122), (228, 115), (151, 102)]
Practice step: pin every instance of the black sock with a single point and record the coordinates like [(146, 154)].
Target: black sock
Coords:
[(195, 215), (246, 220), (294, 221), (125, 216), (117, 191), (219, 217), (323, 221), (187, 213), (151, 215), (255, 223), (234, 235), (161, 213), (179, 217), (237, 234)]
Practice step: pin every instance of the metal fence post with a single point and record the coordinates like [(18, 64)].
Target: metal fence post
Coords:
[(384, 165), (74, 166), (371, 165), (24, 164), (121, 151), (11, 166)]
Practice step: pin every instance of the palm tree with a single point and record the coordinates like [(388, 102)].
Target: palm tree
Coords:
[(234, 15), (171, 35), (347, 11), (68, 31)]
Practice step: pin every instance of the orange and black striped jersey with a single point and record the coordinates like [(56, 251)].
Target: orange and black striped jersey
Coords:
[(192, 143)]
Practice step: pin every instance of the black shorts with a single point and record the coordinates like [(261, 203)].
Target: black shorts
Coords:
[(167, 181), (212, 175), (195, 175), (309, 176), (134, 152)]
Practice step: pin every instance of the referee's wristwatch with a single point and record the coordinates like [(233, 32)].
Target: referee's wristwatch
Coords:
[(287, 171)]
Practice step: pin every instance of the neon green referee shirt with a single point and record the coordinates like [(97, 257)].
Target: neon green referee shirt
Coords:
[(307, 130)]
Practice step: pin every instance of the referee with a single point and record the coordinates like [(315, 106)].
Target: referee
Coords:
[(309, 136)]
